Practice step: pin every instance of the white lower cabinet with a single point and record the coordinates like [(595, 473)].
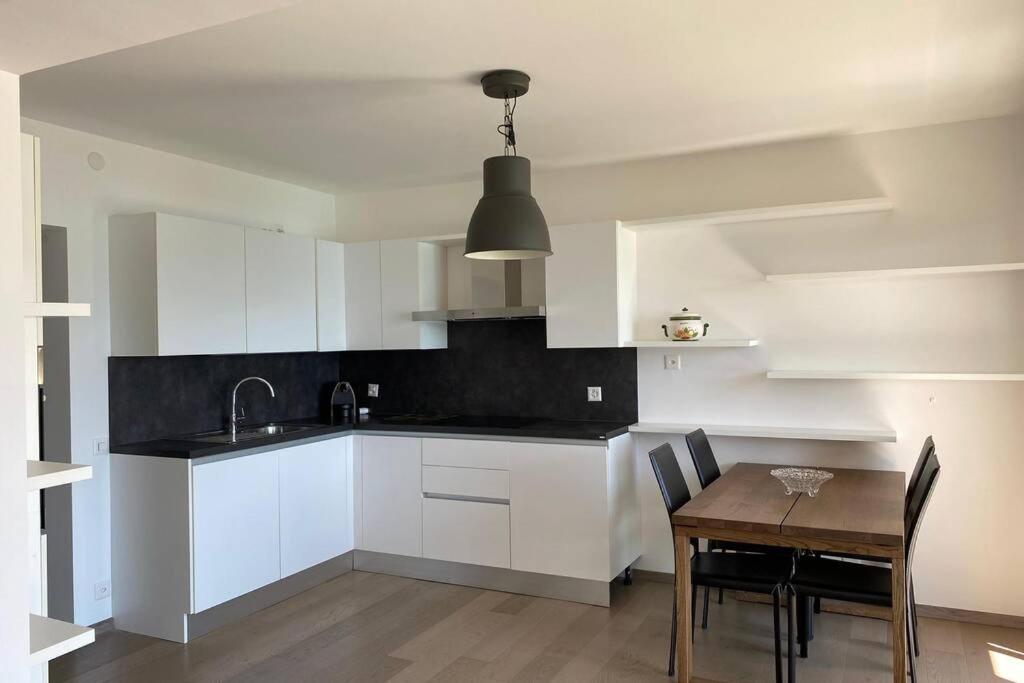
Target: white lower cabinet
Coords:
[(236, 535), (559, 509), (315, 496), (391, 510), (466, 531)]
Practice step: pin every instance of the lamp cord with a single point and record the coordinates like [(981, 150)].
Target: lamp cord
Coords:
[(507, 129)]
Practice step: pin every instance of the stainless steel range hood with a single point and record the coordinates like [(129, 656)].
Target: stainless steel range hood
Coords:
[(512, 309)]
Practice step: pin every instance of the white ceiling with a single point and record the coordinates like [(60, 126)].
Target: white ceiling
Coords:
[(36, 34), (349, 94)]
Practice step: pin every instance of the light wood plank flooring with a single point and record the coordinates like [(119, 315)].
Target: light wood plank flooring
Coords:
[(373, 627)]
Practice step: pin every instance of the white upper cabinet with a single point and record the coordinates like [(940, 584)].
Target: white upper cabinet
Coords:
[(362, 296), (280, 291), (591, 285), (412, 279), (384, 283), (330, 296), (177, 286)]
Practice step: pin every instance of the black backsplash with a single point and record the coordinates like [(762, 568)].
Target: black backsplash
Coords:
[(500, 367), (156, 397), (497, 368)]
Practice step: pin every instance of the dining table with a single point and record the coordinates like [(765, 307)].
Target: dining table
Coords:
[(858, 511)]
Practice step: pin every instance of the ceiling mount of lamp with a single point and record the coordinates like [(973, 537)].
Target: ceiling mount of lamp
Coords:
[(507, 224)]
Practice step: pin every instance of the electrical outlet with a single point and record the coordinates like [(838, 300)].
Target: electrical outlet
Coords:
[(101, 590), (100, 446), (373, 390), (593, 393), (672, 362)]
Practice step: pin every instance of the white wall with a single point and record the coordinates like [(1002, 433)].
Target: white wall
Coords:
[(14, 589), (135, 179), (957, 191)]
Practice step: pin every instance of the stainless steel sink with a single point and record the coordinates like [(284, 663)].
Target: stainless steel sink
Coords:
[(250, 433)]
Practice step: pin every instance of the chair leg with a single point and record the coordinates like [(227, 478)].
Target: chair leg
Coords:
[(911, 635), (778, 639), (704, 617), (627, 576), (817, 605), (801, 623), (913, 615), (672, 638), (720, 596), (693, 612), (791, 633)]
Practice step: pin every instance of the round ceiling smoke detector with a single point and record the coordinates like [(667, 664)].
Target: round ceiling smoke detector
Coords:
[(96, 161)]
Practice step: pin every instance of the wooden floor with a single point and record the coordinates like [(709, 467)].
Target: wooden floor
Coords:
[(373, 627)]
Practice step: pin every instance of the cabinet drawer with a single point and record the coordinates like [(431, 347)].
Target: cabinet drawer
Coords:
[(465, 481), (466, 531), (488, 455)]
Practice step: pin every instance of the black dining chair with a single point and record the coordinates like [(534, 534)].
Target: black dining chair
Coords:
[(927, 451), (764, 574), (706, 465), (823, 577)]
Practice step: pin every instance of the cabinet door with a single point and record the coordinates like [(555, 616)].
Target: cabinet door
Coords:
[(330, 296), (392, 510), (362, 296), (235, 533), (559, 510), (315, 516), (591, 286), (280, 292), (200, 275), (411, 279), (466, 531)]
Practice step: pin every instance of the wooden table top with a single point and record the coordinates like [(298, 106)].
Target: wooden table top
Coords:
[(856, 505)]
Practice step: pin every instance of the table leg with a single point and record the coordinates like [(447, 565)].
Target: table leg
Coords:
[(899, 620), (684, 599)]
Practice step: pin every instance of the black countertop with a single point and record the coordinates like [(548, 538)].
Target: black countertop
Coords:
[(188, 448)]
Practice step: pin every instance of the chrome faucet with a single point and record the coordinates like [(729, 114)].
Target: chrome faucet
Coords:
[(234, 399)]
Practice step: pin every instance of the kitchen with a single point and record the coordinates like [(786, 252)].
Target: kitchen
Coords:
[(494, 431)]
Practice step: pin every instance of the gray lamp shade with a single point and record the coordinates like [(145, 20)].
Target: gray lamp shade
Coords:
[(507, 224)]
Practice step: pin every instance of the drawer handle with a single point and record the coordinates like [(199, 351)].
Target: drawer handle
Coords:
[(468, 499)]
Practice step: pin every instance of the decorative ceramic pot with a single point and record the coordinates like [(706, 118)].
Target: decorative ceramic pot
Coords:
[(685, 327)]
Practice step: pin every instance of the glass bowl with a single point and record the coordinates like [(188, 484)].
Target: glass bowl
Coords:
[(801, 479)]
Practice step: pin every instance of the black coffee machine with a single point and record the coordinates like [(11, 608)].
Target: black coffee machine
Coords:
[(340, 404)]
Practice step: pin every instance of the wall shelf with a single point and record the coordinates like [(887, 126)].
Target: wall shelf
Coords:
[(50, 638), (895, 272), (768, 213), (56, 310), (766, 432), (43, 475), (703, 343), (923, 376)]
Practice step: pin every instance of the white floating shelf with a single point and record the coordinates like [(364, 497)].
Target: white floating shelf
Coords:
[(703, 343), (895, 272), (50, 638), (768, 213), (43, 475), (924, 376), (56, 310), (764, 432)]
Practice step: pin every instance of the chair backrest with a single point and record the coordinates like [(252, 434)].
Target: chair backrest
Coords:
[(927, 450), (703, 457), (670, 478), (919, 503)]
